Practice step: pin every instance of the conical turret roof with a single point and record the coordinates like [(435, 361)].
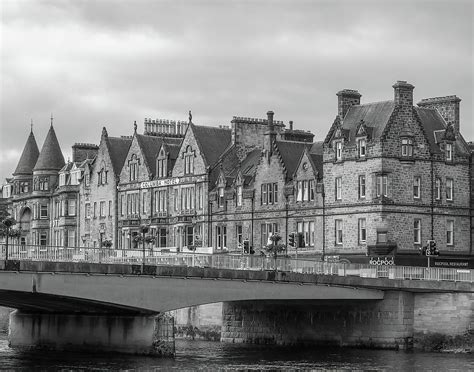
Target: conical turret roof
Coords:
[(28, 157), (50, 157)]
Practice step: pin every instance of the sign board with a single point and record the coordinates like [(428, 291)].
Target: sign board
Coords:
[(171, 181), (453, 263), (331, 259)]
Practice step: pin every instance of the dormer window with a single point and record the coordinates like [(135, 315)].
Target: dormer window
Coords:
[(188, 161), (161, 170), (220, 197), (239, 196), (338, 151), (362, 147), (102, 177), (62, 179), (87, 179), (449, 151), (407, 147)]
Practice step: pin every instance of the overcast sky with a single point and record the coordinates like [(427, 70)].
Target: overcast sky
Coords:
[(107, 63)]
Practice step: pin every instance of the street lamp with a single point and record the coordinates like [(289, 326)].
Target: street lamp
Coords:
[(144, 229)]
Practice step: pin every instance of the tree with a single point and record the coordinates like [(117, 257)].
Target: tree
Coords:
[(275, 247)]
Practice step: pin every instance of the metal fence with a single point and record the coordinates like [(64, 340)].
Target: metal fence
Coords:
[(229, 261)]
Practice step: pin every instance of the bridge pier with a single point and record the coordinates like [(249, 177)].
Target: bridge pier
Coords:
[(386, 323), (131, 334)]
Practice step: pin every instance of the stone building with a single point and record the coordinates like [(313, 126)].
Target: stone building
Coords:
[(395, 176)]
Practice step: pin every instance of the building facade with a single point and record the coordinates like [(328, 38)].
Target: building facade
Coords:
[(388, 177)]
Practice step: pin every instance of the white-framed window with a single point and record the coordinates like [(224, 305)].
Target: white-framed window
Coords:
[(199, 197), (362, 186), (299, 191), (407, 147), (449, 152), (187, 198), (417, 231), (362, 231), (71, 238), (221, 236), (88, 210), (188, 161), (71, 207), (311, 190), (382, 185), (62, 179), (123, 205), (417, 187), (239, 234), (43, 238), (144, 201), (338, 150), (220, 197), (176, 199), (95, 210), (102, 209), (307, 229), (362, 147), (338, 231), (449, 189), (43, 211), (239, 196), (161, 167), (269, 193), (438, 188), (160, 200), (450, 232), (338, 188)]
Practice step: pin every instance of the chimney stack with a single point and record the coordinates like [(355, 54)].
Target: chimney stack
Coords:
[(448, 108), (403, 94), (345, 99), (270, 135), (291, 124)]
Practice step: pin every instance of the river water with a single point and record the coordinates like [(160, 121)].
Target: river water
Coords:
[(216, 356)]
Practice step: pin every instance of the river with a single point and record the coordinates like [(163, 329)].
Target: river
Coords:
[(213, 356)]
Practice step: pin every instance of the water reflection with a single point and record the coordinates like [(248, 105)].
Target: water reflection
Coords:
[(206, 355)]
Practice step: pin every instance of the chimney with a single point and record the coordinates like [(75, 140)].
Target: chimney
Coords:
[(448, 108), (270, 135), (345, 99), (291, 124), (403, 94)]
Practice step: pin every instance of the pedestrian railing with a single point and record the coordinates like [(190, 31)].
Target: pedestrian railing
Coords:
[(154, 257)]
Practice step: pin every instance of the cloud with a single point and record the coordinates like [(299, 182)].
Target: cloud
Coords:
[(112, 62)]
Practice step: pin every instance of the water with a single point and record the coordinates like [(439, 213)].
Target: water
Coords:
[(215, 356)]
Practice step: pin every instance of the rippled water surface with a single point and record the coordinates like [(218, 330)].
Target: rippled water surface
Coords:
[(214, 356)]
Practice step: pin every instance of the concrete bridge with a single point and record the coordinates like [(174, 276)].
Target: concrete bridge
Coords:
[(121, 307)]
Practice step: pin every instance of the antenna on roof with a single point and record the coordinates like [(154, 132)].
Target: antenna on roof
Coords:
[(52, 119)]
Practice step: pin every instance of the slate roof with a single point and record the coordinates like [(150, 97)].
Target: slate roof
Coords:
[(51, 156), (213, 141), (29, 157), (290, 153), (316, 155), (375, 115), (151, 146), (118, 150)]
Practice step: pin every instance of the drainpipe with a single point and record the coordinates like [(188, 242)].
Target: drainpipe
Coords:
[(432, 199), (286, 225), (252, 218), (324, 225)]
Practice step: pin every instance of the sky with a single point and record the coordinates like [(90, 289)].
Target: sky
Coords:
[(108, 63)]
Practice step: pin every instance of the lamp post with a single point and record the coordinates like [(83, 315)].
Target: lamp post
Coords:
[(193, 246), (144, 229)]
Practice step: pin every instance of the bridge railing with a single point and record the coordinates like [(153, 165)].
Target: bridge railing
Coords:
[(229, 261)]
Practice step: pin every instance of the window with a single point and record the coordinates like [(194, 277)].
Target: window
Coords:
[(381, 188), (382, 236), (44, 183), (88, 210), (43, 238), (362, 231), (162, 237), (161, 165), (449, 189), (110, 208), (407, 147), (188, 161), (311, 190), (71, 238), (221, 237), (299, 191), (43, 211), (269, 193), (160, 201), (307, 229), (449, 152), (417, 187), (102, 177), (123, 205), (338, 151), (362, 186), (133, 164), (220, 197), (338, 231), (417, 231), (199, 197), (95, 210), (102, 209), (362, 147), (62, 180), (338, 188), (239, 196), (450, 232), (23, 187), (176, 200), (438, 189), (238, 231), (144, 201), (87, 179), (268, 229), (71, 207), (187, 198), (189, 238)]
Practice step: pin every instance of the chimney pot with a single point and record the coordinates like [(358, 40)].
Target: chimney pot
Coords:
[(291, 124)]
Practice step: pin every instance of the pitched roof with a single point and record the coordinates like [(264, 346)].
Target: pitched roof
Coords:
[(212, 141), (118, 149), (374, 115), (28, 157), (51, 156), (316, 155), (151, 146), (290, 153)]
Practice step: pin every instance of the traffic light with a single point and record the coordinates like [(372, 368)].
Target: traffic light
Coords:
[(431, 248), (246, 246), (300, 240), (291, 240)]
